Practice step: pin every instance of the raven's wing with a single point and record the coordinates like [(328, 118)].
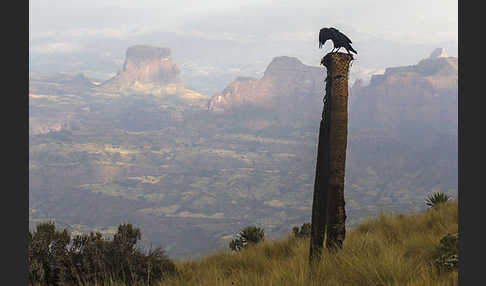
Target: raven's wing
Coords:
[(324, 35), (340, 35), (343, 40)]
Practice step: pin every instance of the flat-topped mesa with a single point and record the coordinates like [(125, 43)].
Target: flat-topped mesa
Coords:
[(150, 70), (436, 66), (144, 52), (410, 102), (148, 65)]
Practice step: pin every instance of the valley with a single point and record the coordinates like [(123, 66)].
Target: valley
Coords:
[(190, 171)]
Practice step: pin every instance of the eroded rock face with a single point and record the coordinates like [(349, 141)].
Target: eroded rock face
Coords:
[(147, 65), (438, 53), (412, 103), (150, 70), (287, 85)]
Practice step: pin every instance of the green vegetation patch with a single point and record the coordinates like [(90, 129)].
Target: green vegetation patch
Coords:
[(112, 189)]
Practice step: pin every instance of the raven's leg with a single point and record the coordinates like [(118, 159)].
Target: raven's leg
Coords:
[(338, 49)]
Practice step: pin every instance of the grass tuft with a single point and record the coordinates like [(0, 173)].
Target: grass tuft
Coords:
[(388, 249)]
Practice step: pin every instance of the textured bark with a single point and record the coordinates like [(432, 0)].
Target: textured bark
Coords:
[(319, 203), (328, 213), (337, 70)]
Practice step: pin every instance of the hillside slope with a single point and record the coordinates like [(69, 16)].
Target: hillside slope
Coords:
[(390, 249)]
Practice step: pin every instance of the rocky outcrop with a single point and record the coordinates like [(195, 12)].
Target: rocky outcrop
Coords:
[(147, 65), (412, 103), (409, 103), (150, 70), (287, 85), (438, 53)]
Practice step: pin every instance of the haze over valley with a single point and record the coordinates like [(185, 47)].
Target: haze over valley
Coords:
[(137, 142)]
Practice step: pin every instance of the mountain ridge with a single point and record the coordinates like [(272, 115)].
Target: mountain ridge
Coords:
[(147, 64), (189, 177), (286, 82)]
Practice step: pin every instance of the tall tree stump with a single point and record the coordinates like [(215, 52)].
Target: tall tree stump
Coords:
[(328, 213)]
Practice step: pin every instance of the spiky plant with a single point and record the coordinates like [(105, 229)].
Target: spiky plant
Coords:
[(250, 235), (436, 199)]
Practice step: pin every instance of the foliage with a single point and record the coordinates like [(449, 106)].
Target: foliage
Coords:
[(248, 236), (303, 232), (48, 254), (436, 199), (57, 259), (448, 253)]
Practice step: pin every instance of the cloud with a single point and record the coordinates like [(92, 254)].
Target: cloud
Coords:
[(304, 35), (60, 47), (119, 33), (122, 32)]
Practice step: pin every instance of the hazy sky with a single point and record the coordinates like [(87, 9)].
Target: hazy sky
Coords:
[(416, 20), (386, 32)]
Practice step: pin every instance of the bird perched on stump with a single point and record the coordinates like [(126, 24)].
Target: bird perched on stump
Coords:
[(338, 39)]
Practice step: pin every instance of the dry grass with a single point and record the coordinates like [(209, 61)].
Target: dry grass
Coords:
[(385, 250)]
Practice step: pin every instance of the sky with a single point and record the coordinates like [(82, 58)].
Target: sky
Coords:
[(432, 20), (385, 33)]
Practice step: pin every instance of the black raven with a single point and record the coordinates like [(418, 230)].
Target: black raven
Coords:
[(338, 39)]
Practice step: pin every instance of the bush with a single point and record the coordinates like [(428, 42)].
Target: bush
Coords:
[(436, 199), (248, 236), (447, 254), (57, 259), (48, 254), (303, 232)]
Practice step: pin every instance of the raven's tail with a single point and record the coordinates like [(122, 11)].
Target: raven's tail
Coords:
[(352, 50)]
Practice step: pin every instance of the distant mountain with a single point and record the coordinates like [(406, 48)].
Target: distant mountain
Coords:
[(147, 65), (149, 70), (190, 177), (414, 104), (286, 86), (404, 121), (61, 91), (59, 81)]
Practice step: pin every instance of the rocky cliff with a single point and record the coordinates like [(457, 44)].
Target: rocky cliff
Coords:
[(287, 85), (150, 70), (147, 65), (411, 103)]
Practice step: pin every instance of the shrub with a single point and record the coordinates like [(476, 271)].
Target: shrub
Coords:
[(303, 232), (57, 259), (248, 236), (447, 254), (436, 199), (47, 254)]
